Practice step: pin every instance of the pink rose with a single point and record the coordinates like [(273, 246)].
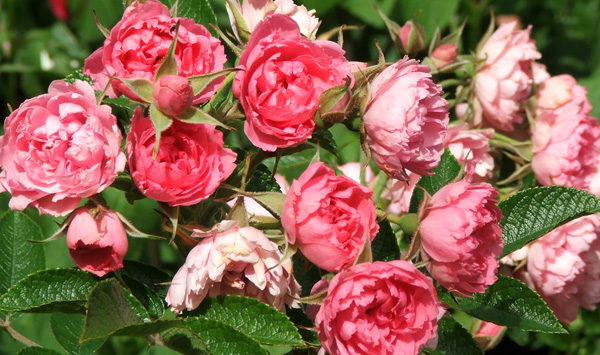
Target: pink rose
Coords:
[(191, 161), (329, 217), (399, 193), (566, 140), (461, 237), (173, 95), (564, 267), (283, 75), (488, 335), (237, 261), (504, 82), (378, 308), (97, 242), (444, 55), (471, 147), (254, 11), (141, 39), (58, 148), (406, 120)]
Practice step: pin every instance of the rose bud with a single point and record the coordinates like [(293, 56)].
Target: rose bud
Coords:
[(488, 334), (444, 55), (173, 95), (461, 238), (97, 244), (412, 36)]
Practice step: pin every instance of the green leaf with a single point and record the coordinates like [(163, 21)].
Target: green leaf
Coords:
[(198, 10), (148, 298), (19, 258), (531, 213), (184, 340), (168, 66), (453, 339), (200, 82), (161, 122), (109, 309), (67, 329), (446, 171), (365, 11), (34, 350), (147, 274), (258, 320), (432, 13), (385, 246), (272, 201), (261, 181), (63, 290), (511, 303), (223, 339), (325, 140)]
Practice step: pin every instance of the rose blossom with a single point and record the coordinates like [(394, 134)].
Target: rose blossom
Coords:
[(566, 140), (141, 39), (471, 147), (233, 260), (505, 80), (58, 148), (378, 308), (564, 267), (406, 120), (254, 11), (329, 217), (283, 75), (97, 244), (189, 166), (461, 237)]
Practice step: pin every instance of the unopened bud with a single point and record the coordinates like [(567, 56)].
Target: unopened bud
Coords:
[(412, 36), (173, 95), (444, 55)]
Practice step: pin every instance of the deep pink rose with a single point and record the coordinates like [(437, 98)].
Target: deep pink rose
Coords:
[(566, 139), (234, 261), (97, 243), (471, 147), (444, 55), (329, 217), (283, 75), (564, 267), (141, 39), (504, 82), (406, 120), (173, 95), (461, 237), (58, 148), (191, 161), (378, 308)]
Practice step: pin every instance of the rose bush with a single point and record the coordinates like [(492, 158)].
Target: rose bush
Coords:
[(59, 148), (373, 308), (97, 242), (282, 76), (329, 217), (406, 120), (461, 237), (190, 163)]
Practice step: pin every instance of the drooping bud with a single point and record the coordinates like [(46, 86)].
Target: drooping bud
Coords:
[(444, 55), (173, 95)]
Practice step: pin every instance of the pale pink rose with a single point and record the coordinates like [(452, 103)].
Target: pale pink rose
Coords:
[(566, 140), (540, 73), (141, 39), (329, 217), (399, 193), (283, 75), (564, 267), (234, 261), (471, 148), (173, 95), (353, 170), (378, 308), (444, 55), (97, 242), (254, 11), (505, 80), (190, 165), (461, 238), (58, 148), (406, 120)]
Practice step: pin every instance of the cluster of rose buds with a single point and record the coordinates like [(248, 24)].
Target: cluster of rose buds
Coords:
[(65, 146)]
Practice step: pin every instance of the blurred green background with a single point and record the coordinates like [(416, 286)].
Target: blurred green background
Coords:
[(36, 48)]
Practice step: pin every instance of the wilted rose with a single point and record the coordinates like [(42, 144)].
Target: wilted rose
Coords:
[(97, 243), (378, 308), (406, 120), (234, 261), (461, 238), (58, 148), (329, 217)]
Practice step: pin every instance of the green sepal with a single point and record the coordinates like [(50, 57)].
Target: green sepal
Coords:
[(142, 88), (200, 82), (195, 115), (168, 66), (239, 23), (161, 122)]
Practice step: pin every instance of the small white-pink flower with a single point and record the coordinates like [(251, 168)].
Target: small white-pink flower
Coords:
[(233, 260), (471, 147)]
